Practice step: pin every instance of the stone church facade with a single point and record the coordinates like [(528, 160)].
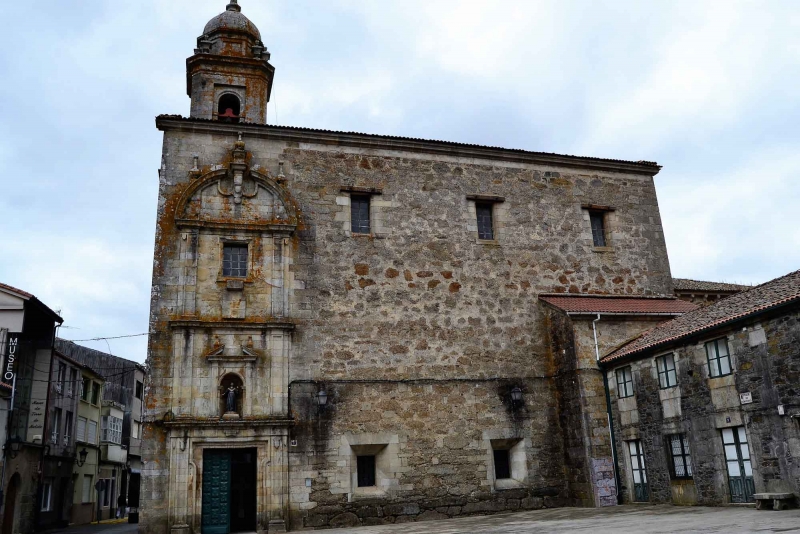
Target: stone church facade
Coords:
[(349, 329)]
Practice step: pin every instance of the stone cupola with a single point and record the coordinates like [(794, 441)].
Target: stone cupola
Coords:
[(229, 77)]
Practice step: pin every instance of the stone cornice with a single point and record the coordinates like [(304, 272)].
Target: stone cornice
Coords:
[(241, 325), (403, 144), (243, 423)]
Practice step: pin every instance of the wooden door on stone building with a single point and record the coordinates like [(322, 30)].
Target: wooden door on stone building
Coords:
[(641, 492), (737, 459), (216, 491)]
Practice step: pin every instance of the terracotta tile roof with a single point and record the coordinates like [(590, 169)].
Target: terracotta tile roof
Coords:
[(783, 290), (591, 304), (685, 284), (6, 387), (15, 290)]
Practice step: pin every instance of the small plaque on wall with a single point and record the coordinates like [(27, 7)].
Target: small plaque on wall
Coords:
[(746, 398)]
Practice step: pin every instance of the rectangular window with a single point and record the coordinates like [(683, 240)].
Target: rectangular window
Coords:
[(73, 382), (502, 464), (624, 382), (719, 360), (47, 494), (234, 260), (111, 429), (106, 493), (62, 378), (666, 371), (598, 221), (56, 426), (86, 389), (366, 470), (92, 433), (139, 390), (86, 493), (359, 214), (136, 430), (80, 432), (68, 429), (483, 211), (95, 393), (681, 459)]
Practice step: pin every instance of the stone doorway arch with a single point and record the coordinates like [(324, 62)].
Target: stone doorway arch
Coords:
[(10, 505)]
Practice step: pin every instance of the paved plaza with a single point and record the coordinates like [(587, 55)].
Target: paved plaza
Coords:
[(616, 520)]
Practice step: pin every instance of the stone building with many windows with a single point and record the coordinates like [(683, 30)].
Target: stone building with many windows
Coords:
[(355, 329), (706, 407)]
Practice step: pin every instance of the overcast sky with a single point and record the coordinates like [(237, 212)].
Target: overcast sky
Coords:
[(708, 90)]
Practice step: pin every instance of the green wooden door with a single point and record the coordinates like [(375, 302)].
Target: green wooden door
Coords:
[(216, 492)]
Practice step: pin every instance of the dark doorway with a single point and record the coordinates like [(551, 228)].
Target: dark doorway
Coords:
[(229, 490), (243, 491), (10, 504)]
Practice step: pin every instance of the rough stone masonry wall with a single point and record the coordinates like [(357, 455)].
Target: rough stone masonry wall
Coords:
[(423, 301), (765, 355), (583, 407)]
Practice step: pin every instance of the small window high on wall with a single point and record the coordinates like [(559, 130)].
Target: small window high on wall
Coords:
[(234, 260)]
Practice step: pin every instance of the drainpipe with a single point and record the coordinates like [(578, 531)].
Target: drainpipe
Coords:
[(608, 411)]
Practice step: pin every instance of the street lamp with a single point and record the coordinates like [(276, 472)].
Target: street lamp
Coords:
[(516, 396), (14, 445), (82, 457), (322, 398)]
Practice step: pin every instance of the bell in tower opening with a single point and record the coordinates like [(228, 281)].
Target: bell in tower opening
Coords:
[(229, 77)]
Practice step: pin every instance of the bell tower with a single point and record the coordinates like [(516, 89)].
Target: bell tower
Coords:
[(229, 77)]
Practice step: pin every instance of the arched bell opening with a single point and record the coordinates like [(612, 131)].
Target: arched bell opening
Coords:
[(232, 393), (229, 108)]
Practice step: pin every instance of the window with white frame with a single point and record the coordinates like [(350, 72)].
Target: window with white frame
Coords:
[(62, 377), (80, 431), (73, 381), (111, 429), (56, 425), (92, 433), (68, 428), (667, 377), (86, 493)]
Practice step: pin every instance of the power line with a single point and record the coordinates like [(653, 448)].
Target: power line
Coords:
[(103, 338)]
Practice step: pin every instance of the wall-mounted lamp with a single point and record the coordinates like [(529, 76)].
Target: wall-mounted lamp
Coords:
[(516, 396), (82, 457), (13, 446), (322, 398)]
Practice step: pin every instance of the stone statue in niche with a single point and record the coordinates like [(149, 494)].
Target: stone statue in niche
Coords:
[(231, 399)]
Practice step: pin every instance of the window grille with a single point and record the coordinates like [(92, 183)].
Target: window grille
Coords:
[(234, 260), (502, 464), (667, 377), (624, 382), (681, 458), (597, 219), (483, 211), (719, 360), (359, 214), (366, 470)]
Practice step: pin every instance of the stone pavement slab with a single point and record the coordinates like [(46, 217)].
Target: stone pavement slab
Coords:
[(617, 520)]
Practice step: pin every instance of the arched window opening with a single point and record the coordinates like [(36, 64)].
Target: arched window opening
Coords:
[(229, 108), (231, 396)]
